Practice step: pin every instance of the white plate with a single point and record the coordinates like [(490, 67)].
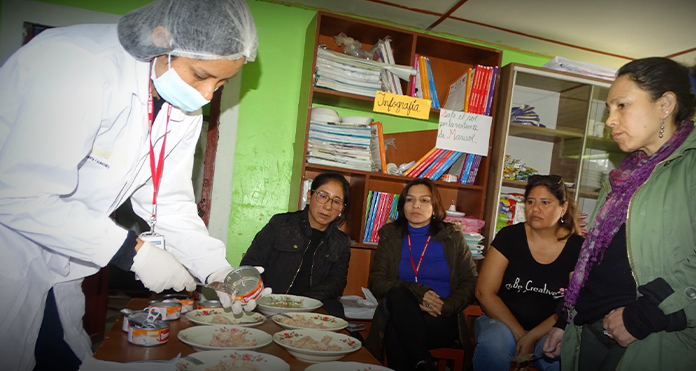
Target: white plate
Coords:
[(199, 337), (205, 316), (330, 323), (211, 358), (346, 366), (455, 213), (346, 343), (277, 303)]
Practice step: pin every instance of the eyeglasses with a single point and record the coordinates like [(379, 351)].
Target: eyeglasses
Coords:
[(546, 179), (323, 198)]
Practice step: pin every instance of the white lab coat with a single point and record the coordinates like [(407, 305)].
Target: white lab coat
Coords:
[(73, 147)]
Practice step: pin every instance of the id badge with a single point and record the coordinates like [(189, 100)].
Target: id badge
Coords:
[(153, 238)]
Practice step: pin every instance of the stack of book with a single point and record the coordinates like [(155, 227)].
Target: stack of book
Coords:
[(423, 83), (382, 208), (341, 145), (358, 76), (438, 161)]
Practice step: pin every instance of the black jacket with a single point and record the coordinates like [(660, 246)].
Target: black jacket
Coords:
[(279, 247)]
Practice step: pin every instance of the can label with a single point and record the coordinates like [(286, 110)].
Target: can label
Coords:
[(148, 337), (253, 294), (168, 310), (186, 304), (209, 304)]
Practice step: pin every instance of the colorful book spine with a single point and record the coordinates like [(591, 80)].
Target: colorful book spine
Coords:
[(370, 221), (467, 168), (415, 165), (423, 165), (446, 165), (491, 91), (435, 102), (415, 79), (474, 170), (469, 83), (422, 67), (394, 211), (436, 165), (382, 218), (430, 166)]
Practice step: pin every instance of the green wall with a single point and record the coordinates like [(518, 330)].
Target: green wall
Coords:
[(267, 130)]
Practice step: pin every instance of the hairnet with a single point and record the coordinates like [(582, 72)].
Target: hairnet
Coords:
[(200, 29)]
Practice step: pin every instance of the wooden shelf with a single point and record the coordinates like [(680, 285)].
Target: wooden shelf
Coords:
[(449, 60), (540, 133)]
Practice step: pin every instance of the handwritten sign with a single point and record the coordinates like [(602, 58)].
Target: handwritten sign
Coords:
[(401, 105), (464, 132)]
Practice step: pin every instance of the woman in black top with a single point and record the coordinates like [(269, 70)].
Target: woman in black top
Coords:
[(304, 252), (524, 275)]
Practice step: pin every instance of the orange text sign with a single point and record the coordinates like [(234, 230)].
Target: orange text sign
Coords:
[(401, 105)]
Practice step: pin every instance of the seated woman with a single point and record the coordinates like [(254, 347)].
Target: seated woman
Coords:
[(303, 252), (424, 276), (524, 275)]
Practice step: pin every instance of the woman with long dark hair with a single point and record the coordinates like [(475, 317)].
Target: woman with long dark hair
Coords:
[(424, 276), (526, 270), (632, 298)]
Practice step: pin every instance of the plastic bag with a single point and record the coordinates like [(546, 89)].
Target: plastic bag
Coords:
[(352, 47)]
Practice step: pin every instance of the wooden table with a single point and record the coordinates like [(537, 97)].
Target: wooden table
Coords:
[(116, 347)]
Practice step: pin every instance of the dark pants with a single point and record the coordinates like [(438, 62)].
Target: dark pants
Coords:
[(598, 352), (334, 307), (410, 332), (52, 353)]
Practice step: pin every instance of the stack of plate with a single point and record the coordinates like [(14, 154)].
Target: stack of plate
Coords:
[(474, 241), (591, 180)]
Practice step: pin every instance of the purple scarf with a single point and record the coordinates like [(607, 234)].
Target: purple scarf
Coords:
[(634, 171)]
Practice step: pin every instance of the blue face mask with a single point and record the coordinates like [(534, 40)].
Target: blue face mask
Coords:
[(176, 91)]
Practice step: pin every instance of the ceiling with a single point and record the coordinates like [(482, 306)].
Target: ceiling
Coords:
[(606, 32)]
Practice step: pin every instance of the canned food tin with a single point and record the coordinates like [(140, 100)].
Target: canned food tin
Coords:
[(209, 304), (146, 333), (126, 313), (185, 300), (170, 310), (246, 281)]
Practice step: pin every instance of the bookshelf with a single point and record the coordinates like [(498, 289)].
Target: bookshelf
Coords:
[(573, 144), (449, 60)]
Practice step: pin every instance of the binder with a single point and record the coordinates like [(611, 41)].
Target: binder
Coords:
[(474, 170), (422, 67), (469, 84), (491, 91)]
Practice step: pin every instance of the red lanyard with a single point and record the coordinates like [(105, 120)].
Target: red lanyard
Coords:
[(156, 170), (413, 265)]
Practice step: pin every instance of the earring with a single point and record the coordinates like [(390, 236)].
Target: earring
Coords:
[(562, 221), (339, 214), (662, 129), (433, 216)]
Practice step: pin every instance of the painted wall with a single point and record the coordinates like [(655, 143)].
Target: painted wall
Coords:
[(266, 133)]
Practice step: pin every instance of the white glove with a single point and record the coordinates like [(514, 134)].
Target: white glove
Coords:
[(159, 270), (227, 300)]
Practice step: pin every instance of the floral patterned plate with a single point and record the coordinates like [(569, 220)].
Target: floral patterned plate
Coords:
[(344, 343), (200, 337), (210, 317), (246, 360), (282, 303), (311, 321)]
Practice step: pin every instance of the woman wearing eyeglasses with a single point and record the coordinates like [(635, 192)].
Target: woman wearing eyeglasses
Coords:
[(303, 252), (523, 277), (424, 276)]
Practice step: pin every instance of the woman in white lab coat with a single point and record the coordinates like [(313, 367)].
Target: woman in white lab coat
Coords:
[(75, 144)]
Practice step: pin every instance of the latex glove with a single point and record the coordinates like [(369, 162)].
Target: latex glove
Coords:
[(227, 300), (159, 270)]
